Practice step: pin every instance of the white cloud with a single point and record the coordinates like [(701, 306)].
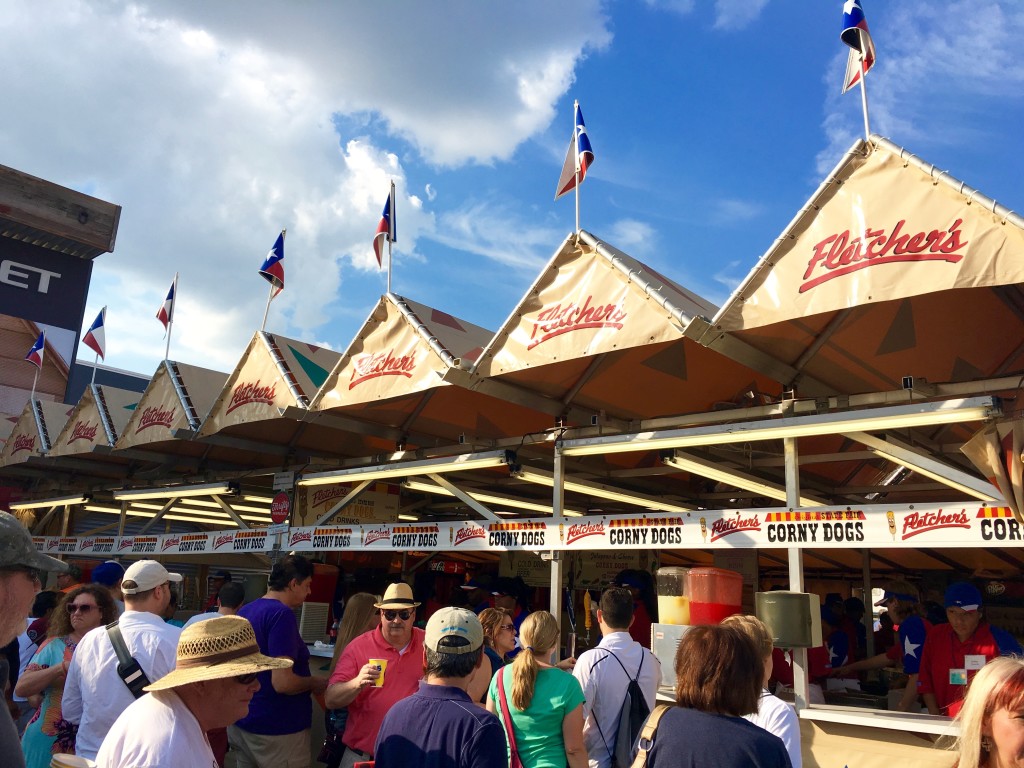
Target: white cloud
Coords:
[(731, 15), (730, 211), (215, 125)]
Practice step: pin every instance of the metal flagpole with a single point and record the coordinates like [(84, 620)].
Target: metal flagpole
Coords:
[(863, 87), (576, 144), (391, 228), (170, 320), (35, 379), (95, 362)]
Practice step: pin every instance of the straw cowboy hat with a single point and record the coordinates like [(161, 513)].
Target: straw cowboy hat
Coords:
[(398, 595), (217, 648)]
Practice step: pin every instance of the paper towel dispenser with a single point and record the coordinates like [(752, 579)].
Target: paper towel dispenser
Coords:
[(793, 618)]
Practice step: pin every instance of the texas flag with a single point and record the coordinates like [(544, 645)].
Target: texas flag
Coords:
[(95, 338), (855, 34), (273, 266), (35, 355), (166, 312), (578, 158), (386, 228)]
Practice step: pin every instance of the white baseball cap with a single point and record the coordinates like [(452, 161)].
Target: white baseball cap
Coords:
[(144, 575)]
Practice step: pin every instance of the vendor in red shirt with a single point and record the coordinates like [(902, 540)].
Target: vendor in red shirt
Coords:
[(398, 644), (954, 652)]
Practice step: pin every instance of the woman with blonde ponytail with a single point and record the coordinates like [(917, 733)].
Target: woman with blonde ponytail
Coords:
[(545, 703)]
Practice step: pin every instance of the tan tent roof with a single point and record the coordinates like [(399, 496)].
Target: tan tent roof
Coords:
[(261, 409), (33, 434), (400, 372), (97, 420), (177, 398), (601, 331)]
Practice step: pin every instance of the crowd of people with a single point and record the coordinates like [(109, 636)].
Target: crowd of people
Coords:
[(123, 687)]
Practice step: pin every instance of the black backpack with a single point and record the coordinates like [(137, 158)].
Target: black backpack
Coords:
[(632, 714)]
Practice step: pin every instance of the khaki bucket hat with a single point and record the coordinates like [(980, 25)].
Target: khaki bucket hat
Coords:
[(214, 649)]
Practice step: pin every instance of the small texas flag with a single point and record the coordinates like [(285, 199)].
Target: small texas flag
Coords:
[(273, 266), (35, 355), (95, 338)]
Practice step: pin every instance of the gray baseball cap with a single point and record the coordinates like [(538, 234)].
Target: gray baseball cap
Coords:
[(17, 549)]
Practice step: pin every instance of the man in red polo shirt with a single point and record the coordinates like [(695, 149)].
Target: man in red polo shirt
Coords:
[(954, 652), (399, 646)]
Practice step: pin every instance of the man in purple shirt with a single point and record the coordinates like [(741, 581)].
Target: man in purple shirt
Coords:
[(276, 730), (440, 726)]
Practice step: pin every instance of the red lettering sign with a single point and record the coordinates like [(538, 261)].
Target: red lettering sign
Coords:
[(726, 527), (582, 530), (155, 416), (223, 539), (842, 254), (465, 534), (922, 522), (373, 366), (557, 319), (377, 535), (83, 431), (299, 536), (24, 443), (247, 393)]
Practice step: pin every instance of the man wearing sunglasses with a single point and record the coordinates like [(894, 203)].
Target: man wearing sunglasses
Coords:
[(94, 693), (213, 682), (20, 567), (376, 670)]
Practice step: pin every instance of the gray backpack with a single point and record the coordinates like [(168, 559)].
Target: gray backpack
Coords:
[(632, 715)]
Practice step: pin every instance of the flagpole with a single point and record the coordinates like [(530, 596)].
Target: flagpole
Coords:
[(170, 320), (391, 228), (863, 87), (35, 379), (576, 143), (95, 362)]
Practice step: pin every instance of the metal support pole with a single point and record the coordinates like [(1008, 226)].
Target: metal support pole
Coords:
[(868, 618), (557, 507), (801, 683)]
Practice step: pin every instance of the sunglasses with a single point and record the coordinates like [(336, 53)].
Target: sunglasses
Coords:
[(509, 627), (74, 608), (392, 615), (245, 679)]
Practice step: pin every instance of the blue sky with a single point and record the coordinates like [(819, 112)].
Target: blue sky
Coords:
[(214, 125)]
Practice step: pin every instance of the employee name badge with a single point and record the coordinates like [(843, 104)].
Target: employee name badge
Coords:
[(958, 677), (974, 662)]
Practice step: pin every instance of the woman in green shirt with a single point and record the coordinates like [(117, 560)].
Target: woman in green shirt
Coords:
[(544, 702)]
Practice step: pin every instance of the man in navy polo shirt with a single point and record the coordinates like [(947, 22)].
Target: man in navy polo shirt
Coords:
[(440, 726), (954, 652)]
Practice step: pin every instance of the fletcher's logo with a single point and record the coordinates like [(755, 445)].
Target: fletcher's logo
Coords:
[(24, 443), (125, 544), (155, 416), (728, 526), (325, 495), (83, 431), (247, 393), (558, 319), (300, 536), (170, 541), (86, 544), (842, 254), (373, 366), (377, 535), (579, 531), (470, 532), (224, 538), (923, 522)]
